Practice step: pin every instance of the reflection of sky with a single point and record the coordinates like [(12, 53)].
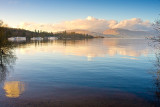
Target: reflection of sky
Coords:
[(92, 48), (50, 66)]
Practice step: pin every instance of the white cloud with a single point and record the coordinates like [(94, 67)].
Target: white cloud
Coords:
[(90, 23)]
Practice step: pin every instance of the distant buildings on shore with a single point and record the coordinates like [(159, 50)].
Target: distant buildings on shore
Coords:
[(17, 39), (23, 39)]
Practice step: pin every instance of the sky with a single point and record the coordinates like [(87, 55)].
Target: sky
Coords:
[(50, 12)]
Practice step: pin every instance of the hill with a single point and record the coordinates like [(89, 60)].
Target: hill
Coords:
[(116, 33), (124, 33), (13, 32), (95, 34)]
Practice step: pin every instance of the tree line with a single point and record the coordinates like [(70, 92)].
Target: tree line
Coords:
[(15, 32)]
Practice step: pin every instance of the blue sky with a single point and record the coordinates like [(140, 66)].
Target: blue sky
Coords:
[(54, 11)]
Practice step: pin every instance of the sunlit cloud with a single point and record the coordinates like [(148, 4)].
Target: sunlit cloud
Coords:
[(91, 24), (133, 24)]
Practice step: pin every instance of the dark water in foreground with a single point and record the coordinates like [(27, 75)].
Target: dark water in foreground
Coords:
[(82, 73)]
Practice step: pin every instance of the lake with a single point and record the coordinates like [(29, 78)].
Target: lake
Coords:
[(81, 73)]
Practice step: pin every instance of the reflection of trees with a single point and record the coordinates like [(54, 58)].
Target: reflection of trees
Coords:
[(6, 64), (7, 57), (3, 72)]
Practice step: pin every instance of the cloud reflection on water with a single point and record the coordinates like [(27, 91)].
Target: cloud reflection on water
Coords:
[(14, 89), (91, 48)]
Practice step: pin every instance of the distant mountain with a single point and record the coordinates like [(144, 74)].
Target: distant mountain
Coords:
[(124, 33), (116, 33), (95, 34)]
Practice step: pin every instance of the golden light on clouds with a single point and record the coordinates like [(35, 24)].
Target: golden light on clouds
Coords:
[(14, 89), (90, 23)]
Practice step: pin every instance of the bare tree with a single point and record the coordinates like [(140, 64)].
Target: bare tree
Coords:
[(7, 57), (2, 24), (157, 26), (156, 72)]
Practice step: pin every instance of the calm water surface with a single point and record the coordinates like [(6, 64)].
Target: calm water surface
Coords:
[(87, 73)]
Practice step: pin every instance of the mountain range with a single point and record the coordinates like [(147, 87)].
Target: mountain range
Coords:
[(117, 33)]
